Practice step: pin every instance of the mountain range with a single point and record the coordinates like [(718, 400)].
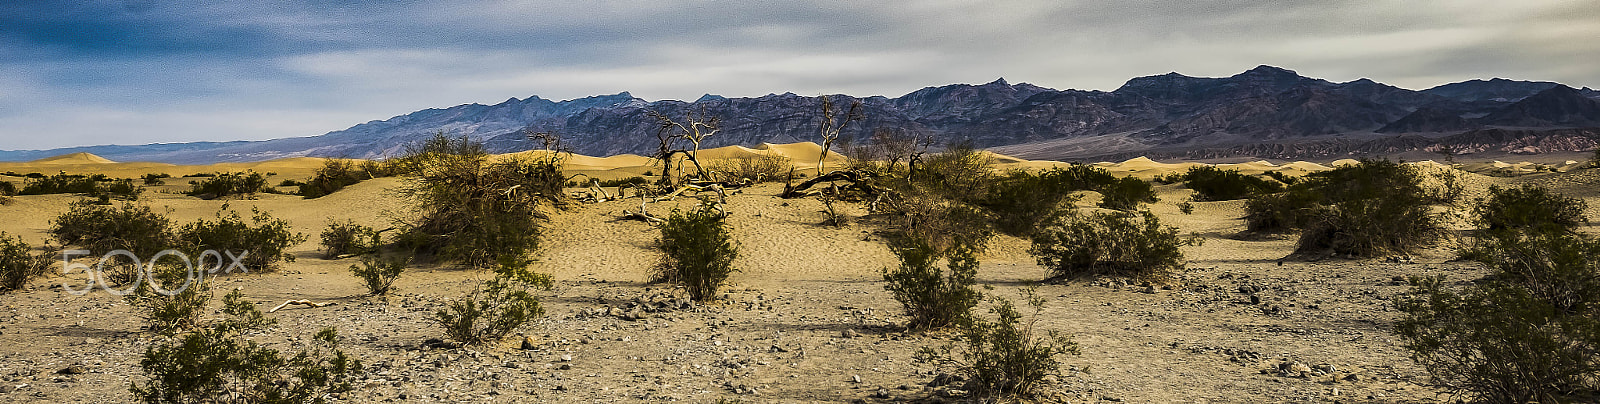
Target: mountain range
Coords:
[(1263, 112)]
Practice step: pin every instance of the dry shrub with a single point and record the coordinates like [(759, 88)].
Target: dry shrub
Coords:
[(224, 185), (346, 238), (497, 307), (1110, 244), (263, 242), (1372, 208), (1007, 358), (102, 229), (17, 265), (769, 167), (1213, 184), (334, 175), (378, 274)]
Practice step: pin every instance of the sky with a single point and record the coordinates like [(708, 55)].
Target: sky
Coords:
[(88, 72)]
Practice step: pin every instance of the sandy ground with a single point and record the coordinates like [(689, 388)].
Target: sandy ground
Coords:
[(806, 319)]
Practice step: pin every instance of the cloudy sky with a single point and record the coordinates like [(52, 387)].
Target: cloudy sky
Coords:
[(140, 71)]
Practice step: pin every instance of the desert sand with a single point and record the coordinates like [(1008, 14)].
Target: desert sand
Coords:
[(804, 319)]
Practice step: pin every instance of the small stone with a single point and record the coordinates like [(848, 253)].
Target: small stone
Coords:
[(72, 370), (566, 358), (528, 344), (855, 378), (1255, 299), (565, 367), (850, 333), (1352, 378), (881, 394), (7, 388), (1150, 289)]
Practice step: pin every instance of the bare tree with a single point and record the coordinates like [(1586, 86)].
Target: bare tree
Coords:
[(695, 128), (832, 124)]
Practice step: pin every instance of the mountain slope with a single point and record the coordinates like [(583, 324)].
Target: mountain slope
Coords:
[(1171, 111)]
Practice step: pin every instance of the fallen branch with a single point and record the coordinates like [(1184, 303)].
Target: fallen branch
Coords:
[(856, 178), (301, 302)]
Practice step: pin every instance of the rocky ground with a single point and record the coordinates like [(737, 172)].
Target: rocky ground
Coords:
[(806, 319)]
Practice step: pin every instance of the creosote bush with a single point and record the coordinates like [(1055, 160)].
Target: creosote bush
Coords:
[(17, 265), (769, 167), (178, 303), (348, 238), (472, 210), (1530, 331), (1114, 244), (102, 229), (699, 251), (215, 363), (379, 274), (222, 185), (933, 298), (1371, 208), (498, 307), (1213, 184), (334, 175), (95, 186), (1009, 357), (155, 178), (262, 242)]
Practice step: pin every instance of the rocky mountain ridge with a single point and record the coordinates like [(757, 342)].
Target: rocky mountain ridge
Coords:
[(1252, 110)]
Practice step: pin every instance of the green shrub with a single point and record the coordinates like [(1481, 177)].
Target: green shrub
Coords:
[(931, 297), (262, 242), (1021, 200), (217, 364), (699, 251), (228, 184), (95, 186), (1006, 358), (1126, 193), (1527, 334), (960, 173), (102, 229), (1371, 208), (472, 210), (334, 175), (17, 265), (1186, 208), (347, 238), (498, 307), (379, 274), (1213, 184), (1282, 178), (1528, 208), (155, 179), (179, 302), (1110, 244), (941, 224)]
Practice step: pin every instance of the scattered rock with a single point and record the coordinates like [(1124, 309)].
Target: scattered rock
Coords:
[(850, 333), (528, 344), (75, 369), (855, 378), (883, 394), (566, 358)]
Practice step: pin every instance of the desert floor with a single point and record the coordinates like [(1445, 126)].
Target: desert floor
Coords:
[(806, 318)]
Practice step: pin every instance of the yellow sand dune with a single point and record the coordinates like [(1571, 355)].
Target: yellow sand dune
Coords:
[(74, 158)]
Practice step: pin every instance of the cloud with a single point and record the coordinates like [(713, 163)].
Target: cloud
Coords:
[(158, 71)]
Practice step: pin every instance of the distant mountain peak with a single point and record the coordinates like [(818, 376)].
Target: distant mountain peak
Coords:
[(999, 82), (1265, 70)]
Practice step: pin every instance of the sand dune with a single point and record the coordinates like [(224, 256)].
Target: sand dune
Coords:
[(74, 158)]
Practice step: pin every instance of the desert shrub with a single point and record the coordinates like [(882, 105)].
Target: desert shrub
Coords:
[(1213, 184), (1126, 193), (1186, 208), (155, 179), (228, 184), (334, 175), (941, 224), (346, 238), (886, 151), (1110, 244), (769, 167), (178, 303), (17, 265), (1371, 208), (471, 210), (699, 251), (961, 173), (102, 229), (379, 274), (1021, 200), (1008, 357), (498, 307), (1527, 334), (1282, 178), (1528, 208), (623, 182), (262, 242), (932, 297), (217, 364), (7, 188), (96, 186)]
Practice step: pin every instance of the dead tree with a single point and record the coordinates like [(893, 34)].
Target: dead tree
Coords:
[(695, 128), (833, 124)]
